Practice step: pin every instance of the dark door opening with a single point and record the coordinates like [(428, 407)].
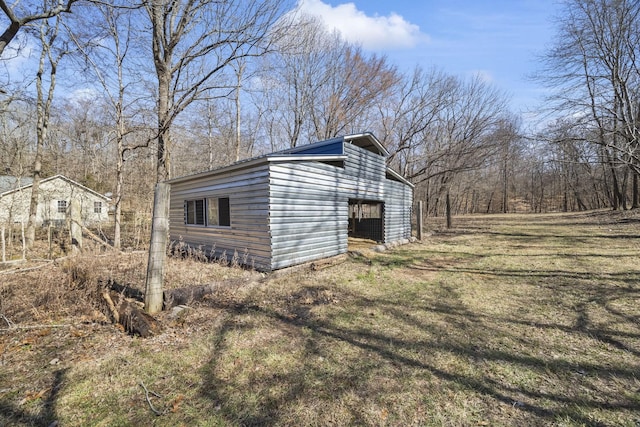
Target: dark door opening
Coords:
[(366, 219)]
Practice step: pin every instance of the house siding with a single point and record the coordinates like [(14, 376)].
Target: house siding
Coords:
[(14, 206)]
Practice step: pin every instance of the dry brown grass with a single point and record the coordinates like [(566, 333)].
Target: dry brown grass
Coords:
[(504, 320)]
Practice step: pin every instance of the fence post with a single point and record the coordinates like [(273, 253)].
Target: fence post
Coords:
[(157, 249)]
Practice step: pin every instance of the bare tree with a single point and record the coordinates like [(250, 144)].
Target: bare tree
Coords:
[(355, 84), (317, 86), (408, 113), (20, 14), (16, 115), (292, 76), (107, 50), (193, 42), (508, 136), (460, 139), (50, 55), (594, 70)]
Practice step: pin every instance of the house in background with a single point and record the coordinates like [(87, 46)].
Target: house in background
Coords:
[(295, 205), (55, 196)]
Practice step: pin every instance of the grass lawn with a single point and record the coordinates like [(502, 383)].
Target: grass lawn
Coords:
[(503, 320)]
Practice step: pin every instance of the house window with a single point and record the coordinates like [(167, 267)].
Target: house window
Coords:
[(97, 207), (62, 206), (218, 213), (212, 211)]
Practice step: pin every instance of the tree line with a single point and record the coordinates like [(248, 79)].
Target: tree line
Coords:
[(173, 87)]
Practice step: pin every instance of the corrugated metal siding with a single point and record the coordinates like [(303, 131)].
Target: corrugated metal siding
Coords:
[(398, 211), (247, 190), (368, 171), (364, 164), (308, 213), (309, 205)]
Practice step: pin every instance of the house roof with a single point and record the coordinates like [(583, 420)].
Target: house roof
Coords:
[(51, 178), (8, 182), (363, 140)]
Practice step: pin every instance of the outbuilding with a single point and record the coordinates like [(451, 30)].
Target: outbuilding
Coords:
[(293, 206)]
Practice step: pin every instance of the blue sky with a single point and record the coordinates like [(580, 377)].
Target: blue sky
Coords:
[(498, 39)]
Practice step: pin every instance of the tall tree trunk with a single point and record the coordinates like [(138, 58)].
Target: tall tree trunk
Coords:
[(157, 249), (490, 202), (634, 204), (615, 187), (623, 189), (505, 176), (448, 209), (43, 108), (210, 133), (118, 202), (239, 72), (162, 55)]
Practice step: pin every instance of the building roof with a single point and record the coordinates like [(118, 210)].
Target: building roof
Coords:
[(27, 182), (8, 183), (363, 140)]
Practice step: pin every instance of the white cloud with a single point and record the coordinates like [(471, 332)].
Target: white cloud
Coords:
[(372, 32), (484, 75), (81, 95)]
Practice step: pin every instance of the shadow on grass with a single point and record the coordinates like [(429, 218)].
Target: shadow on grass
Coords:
[(12, 414), (338, 352), (274, 395)]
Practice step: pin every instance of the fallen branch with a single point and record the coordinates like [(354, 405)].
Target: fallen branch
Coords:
[(22, 270), (359, 256), (94, 237), (126, 290), (146, 395), (111, 305), (130, 315), (321, 264), (14, 327), (97, 239), (10, 324), (188, 295)]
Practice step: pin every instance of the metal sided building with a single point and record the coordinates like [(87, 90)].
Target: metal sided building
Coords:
[(295, 205)]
